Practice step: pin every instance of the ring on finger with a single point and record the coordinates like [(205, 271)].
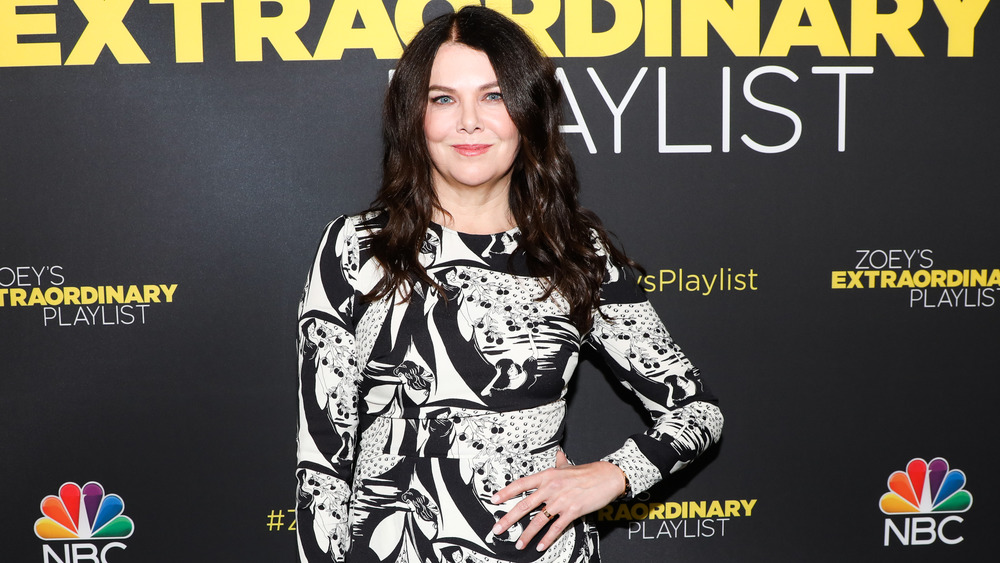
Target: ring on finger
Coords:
[(546, 513)]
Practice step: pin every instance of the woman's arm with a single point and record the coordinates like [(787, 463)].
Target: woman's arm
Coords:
[(645, 359), (328, 398), (686, 420)]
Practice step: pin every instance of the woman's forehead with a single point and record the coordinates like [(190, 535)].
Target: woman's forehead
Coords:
[(455, 62)]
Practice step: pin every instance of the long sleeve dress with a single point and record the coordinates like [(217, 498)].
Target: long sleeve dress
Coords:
[(413, 414)]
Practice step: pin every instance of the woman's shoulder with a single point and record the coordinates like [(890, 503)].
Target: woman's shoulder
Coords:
[(362, 225), (346, 248)]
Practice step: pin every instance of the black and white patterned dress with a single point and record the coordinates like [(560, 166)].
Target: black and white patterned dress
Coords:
[(412, 415)]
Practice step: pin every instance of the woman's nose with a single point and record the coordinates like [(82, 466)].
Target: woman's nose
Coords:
[(469, 119)]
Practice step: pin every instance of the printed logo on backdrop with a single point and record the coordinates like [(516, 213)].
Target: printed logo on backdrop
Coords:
[(281, 520), (932, 491), (302, 31), (915, 276), (45, 288), (646, 520), (79, 514), (704, 283), (678, 520), (383, 31)]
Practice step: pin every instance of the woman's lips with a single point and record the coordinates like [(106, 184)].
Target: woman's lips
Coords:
[(471, 150)]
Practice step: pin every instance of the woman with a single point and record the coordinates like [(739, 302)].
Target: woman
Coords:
[(439, 330)]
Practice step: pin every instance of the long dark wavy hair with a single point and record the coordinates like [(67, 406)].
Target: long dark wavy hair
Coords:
[(557, 234)]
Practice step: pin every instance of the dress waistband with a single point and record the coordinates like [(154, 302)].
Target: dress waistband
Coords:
[(467, 433)]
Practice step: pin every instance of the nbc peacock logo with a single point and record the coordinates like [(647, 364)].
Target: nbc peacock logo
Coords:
[(926, 488), (83, 513), (922, 492), (79, 514)]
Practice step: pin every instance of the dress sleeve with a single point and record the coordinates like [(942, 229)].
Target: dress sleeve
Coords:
[(644, 358), (328, 397)]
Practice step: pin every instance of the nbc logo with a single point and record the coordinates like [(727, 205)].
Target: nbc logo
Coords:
[(82, 513), (931, 489)]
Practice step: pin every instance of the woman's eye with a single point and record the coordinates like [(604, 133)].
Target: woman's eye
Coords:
[(441, 99), (494, 97)]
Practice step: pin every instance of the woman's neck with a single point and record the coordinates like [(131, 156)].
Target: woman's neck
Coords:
[(479, 212)]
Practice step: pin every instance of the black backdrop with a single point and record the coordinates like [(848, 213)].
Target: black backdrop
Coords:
[(215, 178)]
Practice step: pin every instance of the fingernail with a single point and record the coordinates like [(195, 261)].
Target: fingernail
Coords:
[(497, 529), (519, 545), (495, 499), (541, 547)]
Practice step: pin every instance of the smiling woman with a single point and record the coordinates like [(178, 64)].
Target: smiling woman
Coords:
[(471, 140), (440, 329)]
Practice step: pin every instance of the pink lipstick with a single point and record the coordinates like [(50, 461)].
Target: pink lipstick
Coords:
[(471, 150)]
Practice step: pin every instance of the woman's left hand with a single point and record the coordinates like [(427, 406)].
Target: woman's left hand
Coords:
[(565, 493)]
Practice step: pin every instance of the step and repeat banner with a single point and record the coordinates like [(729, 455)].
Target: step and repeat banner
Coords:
[(811, 186)]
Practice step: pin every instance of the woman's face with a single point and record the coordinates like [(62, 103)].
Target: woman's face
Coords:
[(470, 136)]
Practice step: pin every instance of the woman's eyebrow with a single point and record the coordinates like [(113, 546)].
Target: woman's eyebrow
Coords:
[(451, 90)]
